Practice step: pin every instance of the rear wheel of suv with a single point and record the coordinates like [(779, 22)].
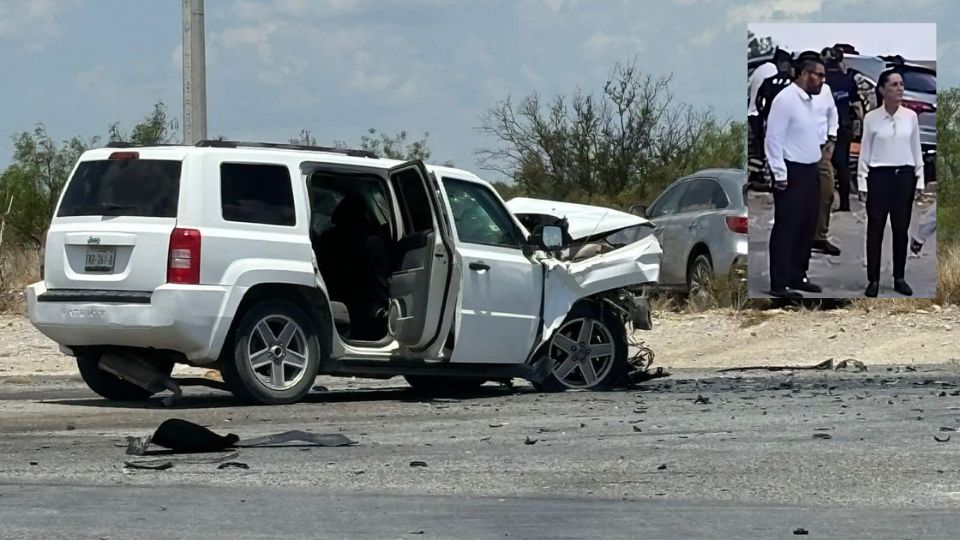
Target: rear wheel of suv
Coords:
[(588, 352), (110, 386), (275, 356), (700, 281)]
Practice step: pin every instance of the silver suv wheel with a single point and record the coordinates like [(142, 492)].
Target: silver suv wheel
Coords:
[(277, 352)]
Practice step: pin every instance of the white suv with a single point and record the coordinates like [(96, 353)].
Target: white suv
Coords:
[(275, 263)]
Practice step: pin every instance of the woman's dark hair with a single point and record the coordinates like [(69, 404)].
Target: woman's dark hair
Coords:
[(882, 81)]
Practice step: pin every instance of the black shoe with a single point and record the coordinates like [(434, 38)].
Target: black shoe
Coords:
[(826, 247), (915, 246), (786, 294), (900, 285), (807, 286), (873, 289)]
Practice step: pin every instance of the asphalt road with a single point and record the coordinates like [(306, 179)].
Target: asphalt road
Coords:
[(649, 462), (843, 276)]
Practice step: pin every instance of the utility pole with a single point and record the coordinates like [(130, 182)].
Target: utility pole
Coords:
[(194, 73)]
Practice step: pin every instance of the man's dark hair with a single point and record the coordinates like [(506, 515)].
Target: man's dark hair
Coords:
[(807, 61)]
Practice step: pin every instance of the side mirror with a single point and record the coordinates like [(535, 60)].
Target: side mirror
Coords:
[(551, 238), (639, 210)]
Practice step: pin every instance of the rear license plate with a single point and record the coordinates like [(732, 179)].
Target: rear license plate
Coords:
[(100, 259)]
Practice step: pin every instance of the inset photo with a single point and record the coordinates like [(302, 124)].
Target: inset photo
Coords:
[(842, 143)]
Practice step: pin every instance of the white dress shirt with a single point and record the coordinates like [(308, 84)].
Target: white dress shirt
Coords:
[(763, 71), (890, 141), (792, 131), (826, 110)]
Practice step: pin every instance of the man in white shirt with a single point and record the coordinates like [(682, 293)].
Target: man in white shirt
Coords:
[(792, 146), (826, 110)]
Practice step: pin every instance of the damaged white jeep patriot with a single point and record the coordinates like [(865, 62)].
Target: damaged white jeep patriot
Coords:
[(275, 263)]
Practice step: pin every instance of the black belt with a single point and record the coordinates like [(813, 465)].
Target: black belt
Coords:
[(895, 169)]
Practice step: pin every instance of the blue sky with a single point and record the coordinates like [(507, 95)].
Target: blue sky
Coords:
[(338, 67)]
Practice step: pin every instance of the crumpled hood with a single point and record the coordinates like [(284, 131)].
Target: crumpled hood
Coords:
[(584, 220)]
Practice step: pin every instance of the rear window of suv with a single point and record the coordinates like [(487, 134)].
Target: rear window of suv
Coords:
[(257, 193), (123, 187)]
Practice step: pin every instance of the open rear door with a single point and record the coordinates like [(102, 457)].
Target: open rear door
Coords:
[(419, 287)]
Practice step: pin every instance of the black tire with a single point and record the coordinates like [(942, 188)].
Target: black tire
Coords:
[(110, 386), (699, 297), (238, 372), (608, 378), (443, 386)]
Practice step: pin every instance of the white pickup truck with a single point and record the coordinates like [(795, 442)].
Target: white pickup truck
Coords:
[(275, 263)]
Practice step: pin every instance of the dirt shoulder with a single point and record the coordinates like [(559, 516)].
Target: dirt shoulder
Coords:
[(722, 339), (716, 339)]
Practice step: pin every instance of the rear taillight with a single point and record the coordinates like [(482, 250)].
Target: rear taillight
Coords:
[(737, 224), (183, 264), (125, 155), (918, 106)]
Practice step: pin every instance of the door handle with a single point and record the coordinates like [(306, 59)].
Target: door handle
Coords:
[(479, 266)]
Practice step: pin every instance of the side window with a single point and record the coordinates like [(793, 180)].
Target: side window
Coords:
[(414, 202), (703, 195), (257, 193), (479, 216), (667, 203)]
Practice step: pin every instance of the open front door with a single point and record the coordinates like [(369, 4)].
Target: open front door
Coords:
[(420, 283)]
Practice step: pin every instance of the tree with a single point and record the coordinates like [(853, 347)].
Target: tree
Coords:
[(948, 163), (35, 178), (616, 148), (156, 128), (395, 147), (305, 138)]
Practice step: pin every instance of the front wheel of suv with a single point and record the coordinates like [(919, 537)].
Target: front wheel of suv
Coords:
[(275, 354), (588, 351)]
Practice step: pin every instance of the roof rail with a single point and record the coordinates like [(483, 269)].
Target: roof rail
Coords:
[(125, 144), (285, 146)]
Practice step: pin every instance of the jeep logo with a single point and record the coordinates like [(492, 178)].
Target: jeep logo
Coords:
[(93, 240)]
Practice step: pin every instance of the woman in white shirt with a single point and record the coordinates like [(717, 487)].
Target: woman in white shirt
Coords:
[(890, 169)]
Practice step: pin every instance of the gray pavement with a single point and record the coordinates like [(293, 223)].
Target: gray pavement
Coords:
[(844, 276), (755, 461)]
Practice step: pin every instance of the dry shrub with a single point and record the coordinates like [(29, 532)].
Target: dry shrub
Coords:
[(19, 267), (948, 274)]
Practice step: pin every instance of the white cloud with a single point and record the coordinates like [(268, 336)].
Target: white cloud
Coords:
[(705, 38), (764, 10), (32, 23), (601, 43), (557, 6)]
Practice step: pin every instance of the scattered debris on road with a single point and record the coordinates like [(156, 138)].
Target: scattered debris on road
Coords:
[(801, 532), (233, 465), (418, 463), (159, 466), (662, 467), (938, 439), (182, 436), (822, 436), (528, 440), (825, 365), (851, 365), (701, 400)]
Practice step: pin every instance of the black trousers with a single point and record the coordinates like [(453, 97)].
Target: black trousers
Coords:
[(841, 162), (890, 192), (794, 225)]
